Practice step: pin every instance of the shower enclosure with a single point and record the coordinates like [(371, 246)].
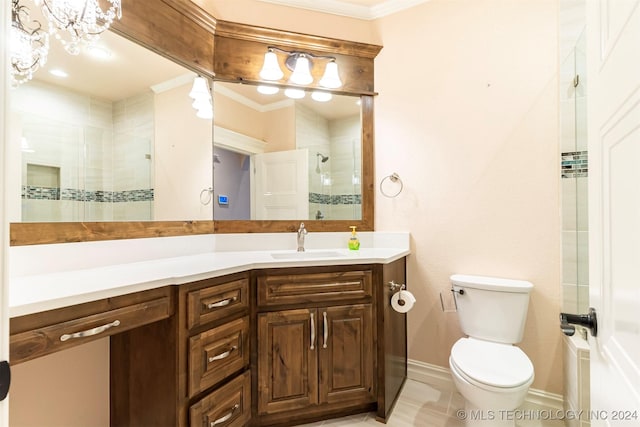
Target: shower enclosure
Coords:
[(574, 171)]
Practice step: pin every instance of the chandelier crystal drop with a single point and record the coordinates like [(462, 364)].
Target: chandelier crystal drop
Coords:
[(28, 45), (76, 22)]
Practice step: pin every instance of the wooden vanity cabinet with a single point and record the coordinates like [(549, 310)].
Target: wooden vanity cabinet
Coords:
[(192, 368), (391, 340), (315, 343), (39, 334)]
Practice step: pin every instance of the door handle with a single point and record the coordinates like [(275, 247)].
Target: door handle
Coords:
[(589, 321), (5, 379)]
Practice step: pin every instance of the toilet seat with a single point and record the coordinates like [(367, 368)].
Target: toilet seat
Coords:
[(491, 364)]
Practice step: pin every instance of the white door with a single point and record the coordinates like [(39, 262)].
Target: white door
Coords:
[(4, 237), (613, 88), (280, 186)]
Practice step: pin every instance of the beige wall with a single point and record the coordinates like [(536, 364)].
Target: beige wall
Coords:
[(186, 148), (240, 118), (65, 389), (467, 115), (291, 19)]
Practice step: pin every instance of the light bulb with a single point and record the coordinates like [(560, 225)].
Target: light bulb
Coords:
[(200, 88), (331, 79), (302, 72), (270, 69), (200, 103), (205, 113)]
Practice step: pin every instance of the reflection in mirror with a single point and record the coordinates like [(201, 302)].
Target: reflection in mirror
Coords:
[(114, 138), (276, 158)]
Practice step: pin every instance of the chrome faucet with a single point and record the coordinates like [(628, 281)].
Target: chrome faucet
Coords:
[(301, 233)]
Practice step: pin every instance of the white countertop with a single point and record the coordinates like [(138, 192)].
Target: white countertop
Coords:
[(33, 293)]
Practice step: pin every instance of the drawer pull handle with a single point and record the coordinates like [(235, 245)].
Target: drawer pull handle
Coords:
[(222, 355), (222, 303), (225, 418), (90, 332), (326, 329), (313, 332)]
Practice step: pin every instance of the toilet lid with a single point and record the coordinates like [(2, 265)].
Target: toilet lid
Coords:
[(494, 364)]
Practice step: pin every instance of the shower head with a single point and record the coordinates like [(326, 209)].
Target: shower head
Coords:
[(323, 159)]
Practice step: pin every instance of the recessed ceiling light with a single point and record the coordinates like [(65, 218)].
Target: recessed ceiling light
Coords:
[(99, 52), (58, 73)]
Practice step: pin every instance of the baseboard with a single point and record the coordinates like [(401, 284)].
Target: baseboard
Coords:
[(440, 378)]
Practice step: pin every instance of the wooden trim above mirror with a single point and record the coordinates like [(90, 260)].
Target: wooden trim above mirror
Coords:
[(185, 33)]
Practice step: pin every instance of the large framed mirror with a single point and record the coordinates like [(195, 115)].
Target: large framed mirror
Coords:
[(287, 159), (190, 47), (100, 139)]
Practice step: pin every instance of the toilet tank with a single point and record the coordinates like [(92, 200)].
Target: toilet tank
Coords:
[(491, 308)]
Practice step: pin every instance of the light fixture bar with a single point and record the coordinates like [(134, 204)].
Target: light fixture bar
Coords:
[(300, 63)]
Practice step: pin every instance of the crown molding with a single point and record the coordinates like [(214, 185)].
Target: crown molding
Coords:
[(342, 8)]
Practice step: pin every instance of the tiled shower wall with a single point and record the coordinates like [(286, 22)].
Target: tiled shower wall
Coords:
[(334, 186), (102, 150), (574, 170)]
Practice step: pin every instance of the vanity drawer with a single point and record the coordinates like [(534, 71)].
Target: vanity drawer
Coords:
[(229, 406), (63, 332), (278, 289), (217, 301), (218, 353)]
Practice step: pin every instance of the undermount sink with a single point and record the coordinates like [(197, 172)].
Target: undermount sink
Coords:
[(306, 255)]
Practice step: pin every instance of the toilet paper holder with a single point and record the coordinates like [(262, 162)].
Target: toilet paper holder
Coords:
[(393, 286)]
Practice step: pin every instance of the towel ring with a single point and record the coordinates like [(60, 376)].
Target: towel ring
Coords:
[(209, 192), (394, 177)]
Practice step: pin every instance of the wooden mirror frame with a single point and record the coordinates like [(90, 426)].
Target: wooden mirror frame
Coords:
[(186, 34)]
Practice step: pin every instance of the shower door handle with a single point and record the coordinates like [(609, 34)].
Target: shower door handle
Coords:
[(589, 321)]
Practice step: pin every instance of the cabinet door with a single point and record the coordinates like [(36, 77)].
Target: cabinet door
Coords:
[(287, 360), (346, 355)]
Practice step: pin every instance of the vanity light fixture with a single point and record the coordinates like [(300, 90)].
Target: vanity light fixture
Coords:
[(300, 63), (81, 21), (201, 96), (29, 44)]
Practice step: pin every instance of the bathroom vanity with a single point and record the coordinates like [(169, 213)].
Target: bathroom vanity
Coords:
[(274, 343)]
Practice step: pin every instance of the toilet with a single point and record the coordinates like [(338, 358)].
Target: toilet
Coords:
[(491, 373)]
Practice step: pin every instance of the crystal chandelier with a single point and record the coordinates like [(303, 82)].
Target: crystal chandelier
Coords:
[(78, 21), (29, 44)]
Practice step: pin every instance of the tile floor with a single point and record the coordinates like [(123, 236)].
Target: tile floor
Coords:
[(421, 405)]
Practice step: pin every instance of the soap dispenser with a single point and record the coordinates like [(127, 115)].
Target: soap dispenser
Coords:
[(354, 242)]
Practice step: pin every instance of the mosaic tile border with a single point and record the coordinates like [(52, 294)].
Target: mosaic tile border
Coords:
[(101, 196), (336, 199), (575, 164)]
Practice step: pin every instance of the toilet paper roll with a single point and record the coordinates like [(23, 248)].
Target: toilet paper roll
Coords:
[(402, 301)]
